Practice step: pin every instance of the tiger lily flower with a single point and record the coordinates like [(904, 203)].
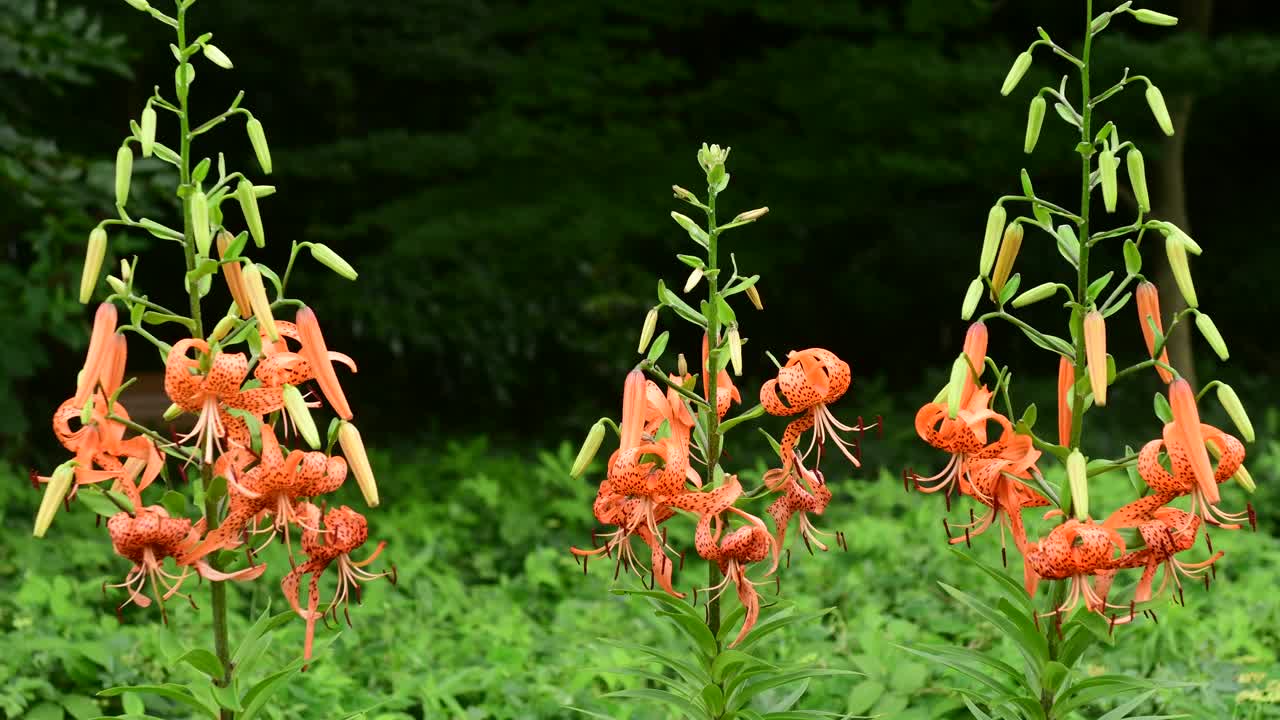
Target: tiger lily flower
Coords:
[(345, 531), (1169, 531), (317, 355), (733, 552), (211, 393), (279, 365), (1182, 478), (104, 360), (99, 445), (801, 500), (1075, 551), (806, 386), (995, 482), (726, 391), (1148, 302)]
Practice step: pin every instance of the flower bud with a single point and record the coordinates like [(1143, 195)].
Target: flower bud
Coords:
[(296, 406), (682, 365), (1110, 187), (358, 460), (684, 194), (694, 277), (1186, 420), (117, 285), (1009, 248), (124, 174), (1095, 349), (1035, 120), (140, 5), (252, 217), (1020, 65), (754, 296), (1151, 17), (148, 126), (1078, 479), (126, 270), (1244, 479), (223, 327), (93, 256), (1066, 381), (1155, 99), (1176, 251), (258, 138), (751, 215), (1148, 302), (1209, 330), (1235, 409), (256, 293), (173, 412), (1138, 178), (991, 239), (1169, 229), (217, 57), (1035, 294), (735, 350), (86, 412), (54, 493), (587, 452), (200, 222), (956, 384), (646, 330), (971, 297), (332, 260)]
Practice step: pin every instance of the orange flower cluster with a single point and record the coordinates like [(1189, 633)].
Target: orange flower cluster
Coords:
[(650, 476), (995, 470), (269, 487)]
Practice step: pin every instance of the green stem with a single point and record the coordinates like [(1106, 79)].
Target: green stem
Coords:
[(713, 418), (217, 590)]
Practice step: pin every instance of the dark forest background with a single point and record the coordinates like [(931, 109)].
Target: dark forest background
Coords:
[(499, 172)]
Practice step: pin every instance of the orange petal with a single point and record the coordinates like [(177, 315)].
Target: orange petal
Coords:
[(1187, 420), (634, 391), (97, 360), (1066, 379), (1095, 350), (317, 355), (975, 348), (1148, 301), (235, 278)]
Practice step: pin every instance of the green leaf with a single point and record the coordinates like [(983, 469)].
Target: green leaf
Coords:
[(1132, 257), (226, 697), (971, 664), (697, 632), (151, 317), (1097, 286), (977, 714), (80, 707), (175, 502), (1016, 626), (236, 246), (658, 347), (1093, 689), (97, 501), (728, 659), (864, 696), (727, 316), (1162, 409), (729, 623), (1117, 305), (692, 261), (677, 702), (170, 691), (909, 677), (204, 661), (1049, 342), (1028, 419), (44, 711), (682, 308), (1054, 675), (1095, 624), (744, 693), (1010, 288), (713, 698), (1009, 588), (693, 674)]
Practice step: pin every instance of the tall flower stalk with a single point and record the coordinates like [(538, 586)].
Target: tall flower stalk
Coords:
[(248, 487), (672, 435), (995, 459)]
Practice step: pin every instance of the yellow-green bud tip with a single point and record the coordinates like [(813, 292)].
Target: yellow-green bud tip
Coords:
[(54, 493), (646, 330), (298, 411), (1019, 68), (358, 460), (1078, 478), (1235, 409), (332, 260), (587, 452), (971, 298), (93, 256)]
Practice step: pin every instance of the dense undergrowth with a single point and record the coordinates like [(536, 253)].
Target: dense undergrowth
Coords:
[(492, 619)]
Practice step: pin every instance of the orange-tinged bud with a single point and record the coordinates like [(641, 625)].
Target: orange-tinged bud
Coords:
[(1186, 418), (751, 215), (256, 294), (97, 359), (358, 460), (633, 407), (54, 493), (682, 365), (317, 355), (1009, 248), (93, 255), (113, 370), (234, 276), (975, 349), (1066, 380), (1148, 301), (1095, 350)]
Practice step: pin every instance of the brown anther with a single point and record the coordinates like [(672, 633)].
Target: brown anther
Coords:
[(805, 537), (1206, 583), (906, 480), (1004, 557), (788, 558), (35, 478), (1208, 541), (681, 561), (347, 614), (359, 594), (1253, 517), (966, 538), (1111, 626), (395, 575), (947, 527), (777, 584)]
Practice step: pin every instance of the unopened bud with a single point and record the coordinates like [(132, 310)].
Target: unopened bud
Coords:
[(258, 138), (735, 350), (332, 260), (971, 297), (1020, 65), (173, 412), (54, 493), (140, 5), (646, 330), (358, 460), (694, 277), (1230, 402), (1035, 120), (1035, 294), (1095, 348), (683, 194), (991, 239), (751, 215), (1172, 230), (223, 327), (148, 127), (217, 57), (117, 285), (956, 383), (1078, 478), (587, 452), (1155, 99), (682, 365), (126, 270), (1107, 165), (252, 217), (1010, 245), (1209, 330), (124, 174), (200, 222), (257, 296), (296, 406), (235, 276), (94, 253), (754, 296), (1176, 251), (1151, 17), (1244, 479), (86, 412), (1138, 178)]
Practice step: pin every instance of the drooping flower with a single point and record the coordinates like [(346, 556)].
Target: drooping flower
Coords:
[(317, 355), (1000, 483), (1182, 479), (726, 391), (104, 360), (806, 386), (799, 501), (1078, 552), (209, 387), (1169, 531), (99, 445), (344, 531)]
